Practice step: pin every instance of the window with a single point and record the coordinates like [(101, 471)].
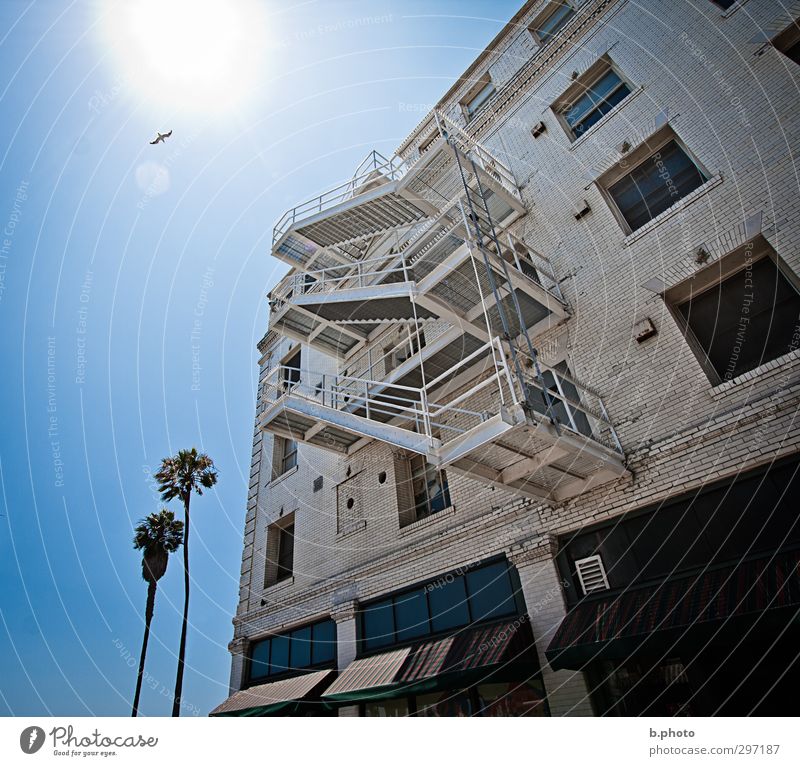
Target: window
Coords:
[(478, 96), (291, 371), (286, 552), (585, 105), (564, 395), (280, 551), (788, 42), (429, 485), (447, 603), (548, 24), (725, 4), (285, 456), (743, 320), (307, 647), (655, 184), (422, 489)]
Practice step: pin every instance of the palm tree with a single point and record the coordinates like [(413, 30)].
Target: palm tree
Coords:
[(156, 536), (179, 476)]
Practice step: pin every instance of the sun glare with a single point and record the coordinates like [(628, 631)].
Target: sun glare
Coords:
[(199, 54)]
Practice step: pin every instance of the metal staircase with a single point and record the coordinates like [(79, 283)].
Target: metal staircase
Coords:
[(408, 275)]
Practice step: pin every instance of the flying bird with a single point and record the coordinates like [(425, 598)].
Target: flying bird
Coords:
[(161, 137)]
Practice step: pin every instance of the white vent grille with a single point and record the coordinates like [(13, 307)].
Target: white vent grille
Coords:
[(592, 574)]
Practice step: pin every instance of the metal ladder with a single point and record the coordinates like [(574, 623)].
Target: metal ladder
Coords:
[(477, 197)]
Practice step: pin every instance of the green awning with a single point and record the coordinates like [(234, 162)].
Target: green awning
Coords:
[(502, 651), (680, 609), (276, 697)]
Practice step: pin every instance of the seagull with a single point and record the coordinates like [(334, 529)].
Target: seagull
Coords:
[(161, 137)]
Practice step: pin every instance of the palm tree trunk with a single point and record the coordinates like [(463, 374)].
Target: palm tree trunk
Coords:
[(176, 701), (148, 616)]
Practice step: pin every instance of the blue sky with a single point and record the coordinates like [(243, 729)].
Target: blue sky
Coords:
[(125, 265)]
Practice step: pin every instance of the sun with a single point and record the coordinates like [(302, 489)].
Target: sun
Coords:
[(198, 54)]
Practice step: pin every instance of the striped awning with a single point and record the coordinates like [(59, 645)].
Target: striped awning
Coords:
[(615, 626), (459, 659), (275, 696)]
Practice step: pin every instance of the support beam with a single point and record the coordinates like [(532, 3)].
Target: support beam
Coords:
[(530, 465)]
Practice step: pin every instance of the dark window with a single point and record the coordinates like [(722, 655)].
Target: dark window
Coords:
[(285, 552), (279, 658), (429, 485), (411, 614), (746, 320), (301, 648), (310, 646), (289, 456), (549, 27), (596, 101), (788, 42), (324, 638), (793, 52), (378, 621), (449, 602), (564, 397), (291, 370), (655, 185), (259, 660), (490, 592), (724, 3), (476, 101)]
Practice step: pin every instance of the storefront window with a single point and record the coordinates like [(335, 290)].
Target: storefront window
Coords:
[(450, 704), (511, 699), (645, 688), (387, 708)]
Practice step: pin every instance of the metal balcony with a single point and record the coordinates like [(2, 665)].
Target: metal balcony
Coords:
[(385, 195), (473, 418), (436, 276)]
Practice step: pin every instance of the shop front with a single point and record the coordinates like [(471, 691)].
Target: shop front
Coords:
[(693, 607), (460, 645)]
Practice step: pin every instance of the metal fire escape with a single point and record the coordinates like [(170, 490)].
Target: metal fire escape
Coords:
[(421, 252)]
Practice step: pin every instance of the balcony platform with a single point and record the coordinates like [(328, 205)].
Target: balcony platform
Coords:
[(503, 444), (390, 195)]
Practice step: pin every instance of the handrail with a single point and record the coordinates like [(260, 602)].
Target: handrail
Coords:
[(396, 401), (392, 169)]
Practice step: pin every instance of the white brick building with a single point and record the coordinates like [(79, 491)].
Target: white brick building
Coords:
[(629, 198)]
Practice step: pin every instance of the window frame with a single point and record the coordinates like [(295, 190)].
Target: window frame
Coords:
[(786, 39), (427, 586), (290, 671), (424, 509), (482, 84), (275, 537), (634, 160), (581, 86), (711, 277), (545, 15)]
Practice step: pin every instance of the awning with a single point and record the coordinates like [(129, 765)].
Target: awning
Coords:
[(276, 696), (673, 610), (489, 652)]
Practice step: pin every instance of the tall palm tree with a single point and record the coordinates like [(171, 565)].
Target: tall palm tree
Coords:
[(156, 536), (179, 476)]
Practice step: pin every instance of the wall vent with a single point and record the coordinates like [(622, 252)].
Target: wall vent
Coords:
[(591, 574), (318, 484)]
